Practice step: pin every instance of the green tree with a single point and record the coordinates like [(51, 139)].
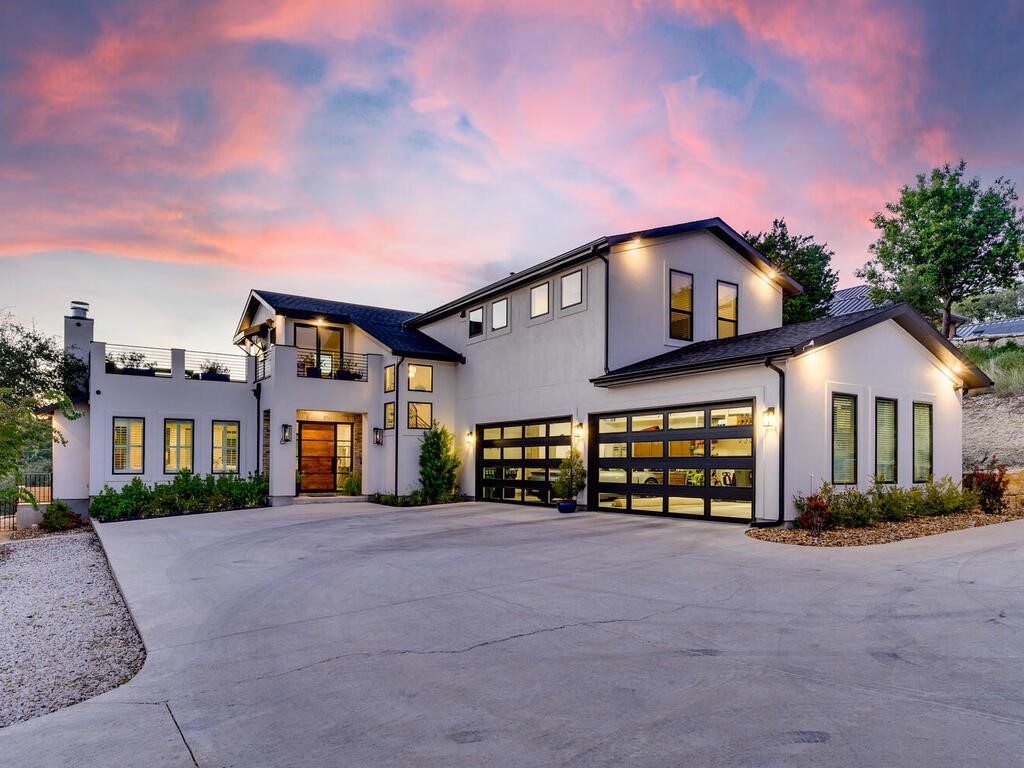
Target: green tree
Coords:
[(439, 464), (992, 306), (21, 428), (807, 262), (945, 240)]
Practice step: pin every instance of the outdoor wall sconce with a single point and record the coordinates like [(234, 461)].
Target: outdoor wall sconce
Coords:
[(577, 431), (286, 433), (378, 436), (470, 439), (768, 418)]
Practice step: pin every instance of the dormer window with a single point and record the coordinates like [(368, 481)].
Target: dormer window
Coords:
[(680, 314), (728, 311)]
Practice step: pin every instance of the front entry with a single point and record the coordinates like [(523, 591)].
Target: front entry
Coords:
[(325, 456)]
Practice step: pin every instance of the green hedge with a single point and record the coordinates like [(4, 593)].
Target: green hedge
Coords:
[(832, 508), (186, 494)]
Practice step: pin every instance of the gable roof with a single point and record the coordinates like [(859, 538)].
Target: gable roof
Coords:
[(388, 326), (1010, 326), (793, 341), (601, 247)]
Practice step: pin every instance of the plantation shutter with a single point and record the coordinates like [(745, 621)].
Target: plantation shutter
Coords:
[(885, 440), (844, 439), (922, 442)]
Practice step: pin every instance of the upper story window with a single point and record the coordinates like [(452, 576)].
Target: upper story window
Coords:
[(129, 446), (844, 439), (572, 289), (178, 445), (728, 298), (540, 299), (476, 321), (389, 415), (389, 378), (421, 378), (680, 314), (420, 415), (319, 346), (922, 442), (499, 314)]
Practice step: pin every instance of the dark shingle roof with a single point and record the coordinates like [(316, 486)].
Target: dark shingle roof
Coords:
[(790, 341), (854, 299), (385, 325), (601, 247), (1011, 326)]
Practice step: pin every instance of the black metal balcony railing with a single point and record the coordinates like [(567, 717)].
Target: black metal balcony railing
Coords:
[(149, 361), (39, 484), (345, 366), (264, 364), (214, 366)]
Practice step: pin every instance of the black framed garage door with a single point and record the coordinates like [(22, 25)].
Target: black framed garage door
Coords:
[(514, 460), (688, 460)]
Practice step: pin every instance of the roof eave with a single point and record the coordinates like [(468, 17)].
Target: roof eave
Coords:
[(618, 380)]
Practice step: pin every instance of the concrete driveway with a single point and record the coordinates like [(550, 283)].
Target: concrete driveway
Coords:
[(487, 635)]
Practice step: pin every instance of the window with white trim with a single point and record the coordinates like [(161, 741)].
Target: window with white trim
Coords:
[(923, 424), (224, 454), (540, 300), (572, 289), (844, 439), (178, 445), (499, 314), (129, 445)]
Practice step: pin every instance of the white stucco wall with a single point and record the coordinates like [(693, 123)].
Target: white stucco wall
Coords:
[(638, 321), (71, 460), (881, 361), (156, 399)]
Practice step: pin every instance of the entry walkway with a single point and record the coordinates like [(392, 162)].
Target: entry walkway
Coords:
[(495, 635)]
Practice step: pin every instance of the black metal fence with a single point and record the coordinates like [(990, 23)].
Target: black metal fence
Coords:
[(40, 485), (8, 515)]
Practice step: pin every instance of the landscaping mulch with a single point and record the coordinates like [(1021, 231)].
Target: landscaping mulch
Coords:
[(884, 533), (39, 533)]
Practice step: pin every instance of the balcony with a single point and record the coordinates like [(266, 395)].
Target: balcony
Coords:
[(344, 366), (127, 360)]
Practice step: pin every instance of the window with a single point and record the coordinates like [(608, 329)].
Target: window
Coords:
[(728, 294), (680, 313), (420, 415), (476, 321), (885, 440), (844, 439), (389, 415), (499, 314), (319, 347), (225, 448), (389, 378), (177, 445), (421, 378), (922, 442), (539, 296), (572, 289), (129, 451)]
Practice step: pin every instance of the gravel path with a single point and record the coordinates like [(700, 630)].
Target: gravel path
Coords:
[(65, 633)]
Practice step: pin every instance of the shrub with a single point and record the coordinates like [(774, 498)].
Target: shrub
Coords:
[(892, 504), (439, 464), (353, 485), (989, 483), (59, 517), (814, 511), (185, 494), (851, 509), (572, 477)]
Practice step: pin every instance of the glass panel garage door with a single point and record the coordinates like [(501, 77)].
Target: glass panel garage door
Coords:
[(694, 461), (516, 461)]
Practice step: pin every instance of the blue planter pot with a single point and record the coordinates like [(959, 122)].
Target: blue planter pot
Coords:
[(566, 506)]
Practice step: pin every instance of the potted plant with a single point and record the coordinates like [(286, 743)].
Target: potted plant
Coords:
[(214, 371), (312, 368), (131, 364), (347, 371), (572, 478)]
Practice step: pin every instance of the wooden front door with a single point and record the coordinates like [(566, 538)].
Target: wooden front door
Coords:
[(317, 446)]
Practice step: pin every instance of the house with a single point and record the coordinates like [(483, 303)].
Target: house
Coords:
[(992, 333), (660, 354)]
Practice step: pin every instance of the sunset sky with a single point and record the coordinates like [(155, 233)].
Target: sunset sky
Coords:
[(158, 159)]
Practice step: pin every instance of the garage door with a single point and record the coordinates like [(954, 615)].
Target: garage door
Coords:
[(692, 460), (516, 461)]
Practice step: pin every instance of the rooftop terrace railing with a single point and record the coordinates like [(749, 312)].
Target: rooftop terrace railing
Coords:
[(130, 360)]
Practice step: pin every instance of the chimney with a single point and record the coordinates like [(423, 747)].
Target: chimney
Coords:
[(78, 330), (79, 309)]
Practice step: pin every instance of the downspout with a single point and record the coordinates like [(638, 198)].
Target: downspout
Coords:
[(607, 280), (769, 363), (398, 370)]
